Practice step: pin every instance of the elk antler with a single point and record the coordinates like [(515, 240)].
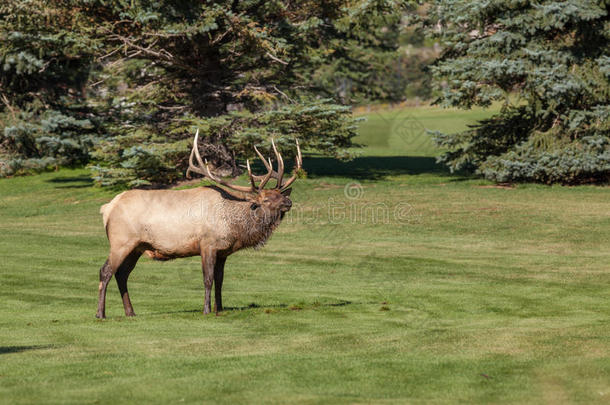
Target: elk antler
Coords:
[(280, 163), (204, 170), (298, 166)]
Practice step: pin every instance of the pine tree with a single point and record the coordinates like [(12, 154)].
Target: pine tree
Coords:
[(548, 63)]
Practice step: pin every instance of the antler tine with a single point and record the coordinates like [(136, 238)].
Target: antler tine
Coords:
[(266, 178), (192, 167), (197, 155), (262, 178), (299, 165), (250, 174), (272, 173), (262, 158), (280, 165), (204, 170)]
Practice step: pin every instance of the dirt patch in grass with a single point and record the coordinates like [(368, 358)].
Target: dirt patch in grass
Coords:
[(500, 185)]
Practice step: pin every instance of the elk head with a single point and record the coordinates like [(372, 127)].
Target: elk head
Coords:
[(271, 201)]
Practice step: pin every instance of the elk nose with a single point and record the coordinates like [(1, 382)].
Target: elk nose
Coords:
[(287, 203)]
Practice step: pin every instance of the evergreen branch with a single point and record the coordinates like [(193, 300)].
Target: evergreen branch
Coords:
[(275, 58)]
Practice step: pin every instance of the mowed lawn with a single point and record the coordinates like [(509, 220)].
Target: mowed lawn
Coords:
[(391, 281)]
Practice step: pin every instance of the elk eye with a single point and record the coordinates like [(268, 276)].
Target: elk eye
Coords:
[(266, 200)]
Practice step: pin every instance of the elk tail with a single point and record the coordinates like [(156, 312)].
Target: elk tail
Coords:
[(106, 209)]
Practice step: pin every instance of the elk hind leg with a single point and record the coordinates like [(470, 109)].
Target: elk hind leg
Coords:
[(113, 263), (105, 276), (122, 275)]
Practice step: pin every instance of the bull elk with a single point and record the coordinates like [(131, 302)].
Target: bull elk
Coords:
[(211, 222)]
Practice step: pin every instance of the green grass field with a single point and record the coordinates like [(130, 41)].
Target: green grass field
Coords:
[(422, 287)]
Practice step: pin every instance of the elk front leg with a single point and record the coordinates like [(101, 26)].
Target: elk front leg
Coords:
[(208, 262), (219, 272)]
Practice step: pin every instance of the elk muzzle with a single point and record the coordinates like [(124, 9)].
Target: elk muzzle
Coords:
[(286, 205)]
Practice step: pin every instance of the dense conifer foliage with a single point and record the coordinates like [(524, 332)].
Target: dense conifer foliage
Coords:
[(122, 85), (548, 63), (45, 59), (126, 82)]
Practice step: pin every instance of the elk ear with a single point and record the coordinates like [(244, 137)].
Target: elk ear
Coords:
[(287, 192)]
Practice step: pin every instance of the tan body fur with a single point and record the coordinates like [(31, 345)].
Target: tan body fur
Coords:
[(175, 223)]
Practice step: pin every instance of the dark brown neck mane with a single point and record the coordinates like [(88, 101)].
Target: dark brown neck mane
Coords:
[(261, 223)]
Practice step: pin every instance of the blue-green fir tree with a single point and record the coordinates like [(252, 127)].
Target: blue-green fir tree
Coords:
[(548, 64), (44, 66)]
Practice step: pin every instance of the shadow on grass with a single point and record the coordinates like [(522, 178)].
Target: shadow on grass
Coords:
[(361, 168), (19, 349), (253, 305), (377, 167), (72, 182)]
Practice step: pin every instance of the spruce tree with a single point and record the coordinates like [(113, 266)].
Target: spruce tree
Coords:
[(548, 63)]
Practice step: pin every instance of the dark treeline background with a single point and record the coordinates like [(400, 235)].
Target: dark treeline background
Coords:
[(121, 85)]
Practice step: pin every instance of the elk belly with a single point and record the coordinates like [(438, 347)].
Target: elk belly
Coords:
[(166, 251), (155, 255)]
